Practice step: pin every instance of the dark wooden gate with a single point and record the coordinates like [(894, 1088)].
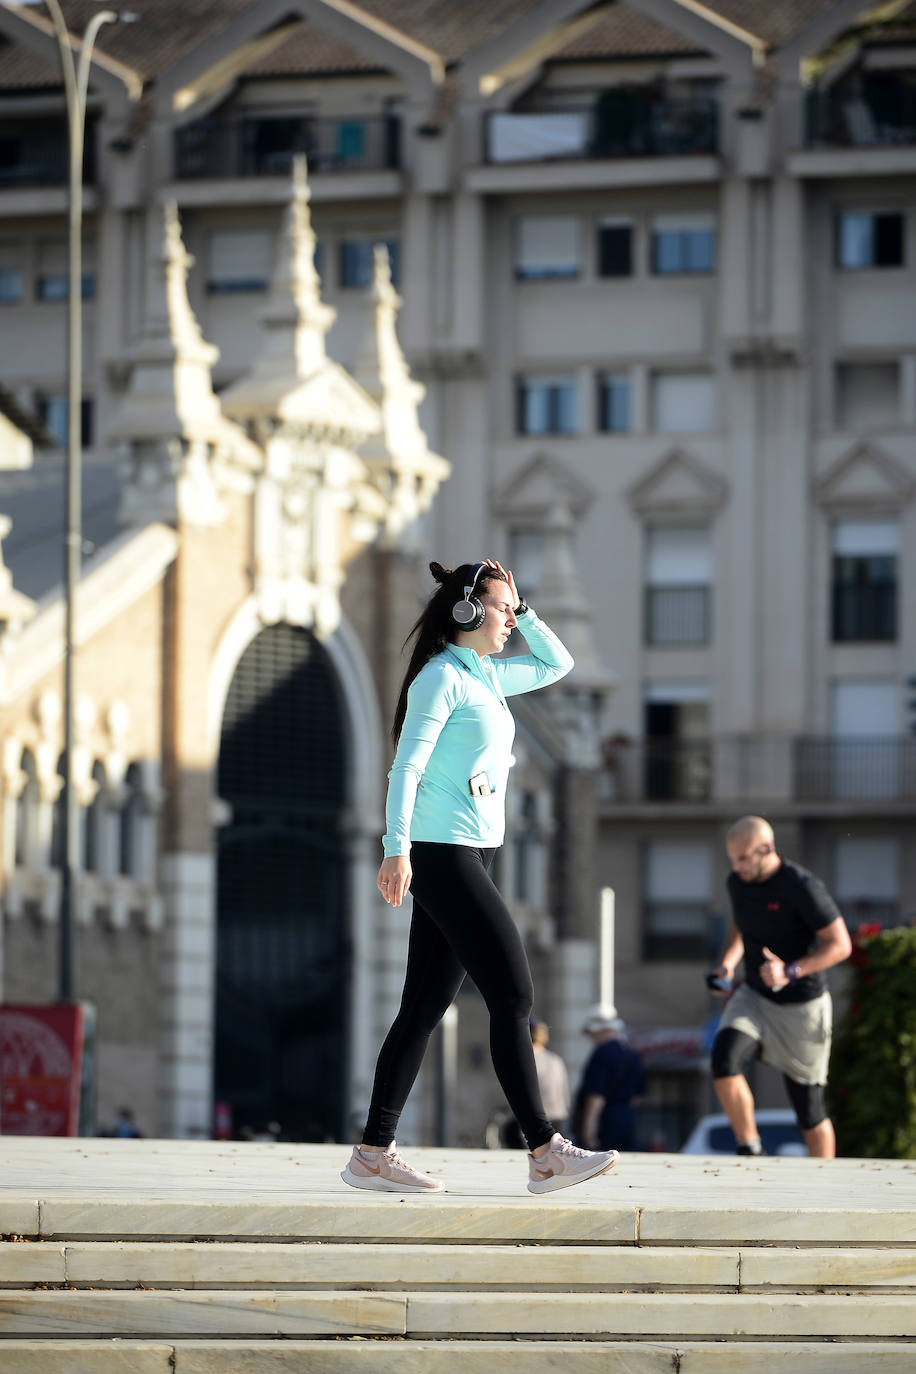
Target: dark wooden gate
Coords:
[(281, 944)]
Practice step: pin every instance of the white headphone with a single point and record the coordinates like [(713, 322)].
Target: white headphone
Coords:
[(468, 613)]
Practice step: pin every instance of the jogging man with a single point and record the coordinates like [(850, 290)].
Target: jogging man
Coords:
[(788, 929)]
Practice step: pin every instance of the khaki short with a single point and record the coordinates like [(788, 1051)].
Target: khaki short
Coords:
[(794, 1038)]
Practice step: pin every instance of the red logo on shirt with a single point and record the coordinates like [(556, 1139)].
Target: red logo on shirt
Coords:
[(772, 906)]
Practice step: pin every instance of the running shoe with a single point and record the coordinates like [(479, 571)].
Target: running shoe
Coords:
[(565, 1164), (384, 1171)]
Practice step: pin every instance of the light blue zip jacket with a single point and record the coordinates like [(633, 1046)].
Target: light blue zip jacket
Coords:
[(458, 724)]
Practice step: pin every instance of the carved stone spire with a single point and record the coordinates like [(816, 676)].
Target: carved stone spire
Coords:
[(293, 381), (15, 607), (576, 702), (399, 457), (170, 428), (295, 319)]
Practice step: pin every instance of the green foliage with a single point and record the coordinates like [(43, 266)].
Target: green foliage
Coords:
[(872, 1084)]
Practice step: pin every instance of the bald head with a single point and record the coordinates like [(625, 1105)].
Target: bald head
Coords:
[(751, 848), (752, 830)]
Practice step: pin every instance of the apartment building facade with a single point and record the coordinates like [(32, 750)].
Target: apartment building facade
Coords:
[(656, 269)]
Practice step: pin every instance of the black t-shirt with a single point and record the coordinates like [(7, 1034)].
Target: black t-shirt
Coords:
[(784, 913)]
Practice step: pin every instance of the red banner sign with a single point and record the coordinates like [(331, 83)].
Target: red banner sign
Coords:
[(41, 1058)]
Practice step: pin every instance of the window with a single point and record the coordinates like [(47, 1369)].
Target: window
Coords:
[(683, 402), (526, 844), (683, 243), (526, 558), (868, 239), (53, 279), (547, 405), (865, 708), (866, 756), (678, 754), (678, 888), (27, 836), (678, 578), (59, 818), (357, 261), (868, 395), (52, 413), (614, 402), (95, 817), (865, 580), (130, 820), (866, 879), (10, 274), (547, 246), (238, 262), (615, 248)]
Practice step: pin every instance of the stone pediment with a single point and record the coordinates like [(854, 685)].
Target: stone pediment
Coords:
[(677, 485), (329, 399), (865, 479), (538, 487)]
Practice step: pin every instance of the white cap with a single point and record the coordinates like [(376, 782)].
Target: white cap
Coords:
[(602, 1016)]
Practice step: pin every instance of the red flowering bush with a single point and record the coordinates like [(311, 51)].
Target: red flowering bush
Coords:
[(872, 1085)]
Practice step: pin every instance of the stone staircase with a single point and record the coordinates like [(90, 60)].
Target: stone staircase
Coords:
[(134, 1257)]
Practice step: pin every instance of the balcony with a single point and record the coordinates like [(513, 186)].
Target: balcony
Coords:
[(660, 770), (266, 147), (621, 123), (867, 768), (826, 770), (876, 112), (35, 152)]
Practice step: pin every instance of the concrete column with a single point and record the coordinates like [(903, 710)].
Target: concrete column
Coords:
[(572, 990), (789, 267), (908, 390), (362, 853), (468, 261), (735, 255), (188, 972)]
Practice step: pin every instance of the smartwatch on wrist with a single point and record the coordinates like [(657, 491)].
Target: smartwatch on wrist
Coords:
[(521, 608), (793, 972)]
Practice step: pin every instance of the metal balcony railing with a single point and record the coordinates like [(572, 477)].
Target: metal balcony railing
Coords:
[(266, 146), (762, 768), (878, 114), (850, 768), (34, 152), (620, 123), (661, 770)]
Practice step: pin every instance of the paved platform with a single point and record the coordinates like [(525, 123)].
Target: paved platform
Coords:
[(199, 1257)]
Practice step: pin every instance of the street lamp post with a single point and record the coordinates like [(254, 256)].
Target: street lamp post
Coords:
[(76, 85)]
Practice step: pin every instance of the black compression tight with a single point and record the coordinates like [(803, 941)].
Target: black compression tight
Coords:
[(460, 925)]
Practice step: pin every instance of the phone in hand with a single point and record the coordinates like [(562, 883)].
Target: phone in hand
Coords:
[(716, 983)]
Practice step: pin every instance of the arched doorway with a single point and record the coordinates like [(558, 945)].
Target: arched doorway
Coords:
[(281, 929)]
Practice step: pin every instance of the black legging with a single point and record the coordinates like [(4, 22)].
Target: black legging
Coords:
[(460, 925)]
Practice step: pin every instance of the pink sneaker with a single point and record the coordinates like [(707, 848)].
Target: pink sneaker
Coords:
[(384, 1171), (565, 1164)]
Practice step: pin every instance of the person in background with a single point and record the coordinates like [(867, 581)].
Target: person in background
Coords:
[(125, 1127), (445, 818), (613, 1076), (552, 1076), (553, 1082), (788, 930)]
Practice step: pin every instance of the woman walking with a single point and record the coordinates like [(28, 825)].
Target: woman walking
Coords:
[(445, 819)]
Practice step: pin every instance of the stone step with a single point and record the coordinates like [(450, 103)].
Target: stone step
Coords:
[(452, 1357), (466, 1220), (453, 1314), (570, 1268)]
